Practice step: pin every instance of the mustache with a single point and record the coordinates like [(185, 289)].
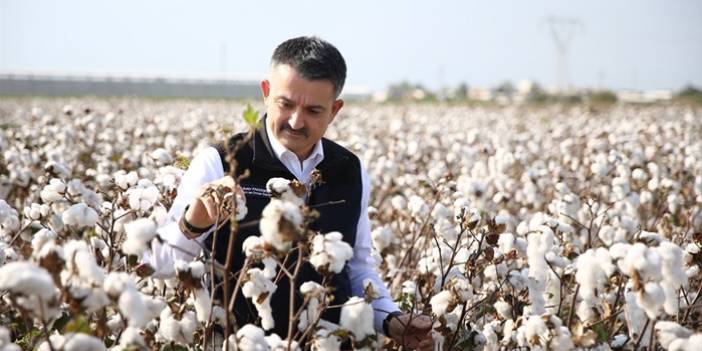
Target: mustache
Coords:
[(288, 127)]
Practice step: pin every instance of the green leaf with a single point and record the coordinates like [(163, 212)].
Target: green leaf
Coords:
[(250, 116), (602, 334), (181, 161), (78, 325)]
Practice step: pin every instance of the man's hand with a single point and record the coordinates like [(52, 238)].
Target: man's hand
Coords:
[(412, 330), (205, 208)]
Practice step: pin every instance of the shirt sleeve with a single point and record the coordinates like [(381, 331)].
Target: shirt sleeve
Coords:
[(204, 168), (362, 266)]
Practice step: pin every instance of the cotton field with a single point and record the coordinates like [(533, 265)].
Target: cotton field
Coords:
[(550, 228)]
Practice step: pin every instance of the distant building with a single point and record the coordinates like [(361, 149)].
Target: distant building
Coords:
[(28, 84), (648, 96), (480, 94)]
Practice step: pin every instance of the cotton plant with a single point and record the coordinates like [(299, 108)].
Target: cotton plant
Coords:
[(452, 211)]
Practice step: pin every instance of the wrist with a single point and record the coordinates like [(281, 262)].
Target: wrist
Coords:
[(189, 229), (190, 214)]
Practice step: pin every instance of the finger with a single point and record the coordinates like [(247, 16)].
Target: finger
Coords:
[(421, 322), (426, 345)]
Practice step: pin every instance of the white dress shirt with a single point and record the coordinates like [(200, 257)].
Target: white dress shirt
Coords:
[(207, 166)]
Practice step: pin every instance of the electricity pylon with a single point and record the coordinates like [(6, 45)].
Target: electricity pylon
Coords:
[(562, 31)]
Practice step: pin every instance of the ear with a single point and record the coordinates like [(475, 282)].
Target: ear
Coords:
[(336, 106), (265, 89)]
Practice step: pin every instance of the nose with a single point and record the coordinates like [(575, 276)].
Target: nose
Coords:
[(296, 121)]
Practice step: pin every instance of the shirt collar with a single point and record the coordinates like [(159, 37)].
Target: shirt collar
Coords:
[(280, 150)]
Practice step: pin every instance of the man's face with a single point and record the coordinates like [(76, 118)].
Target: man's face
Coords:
[(299, 110)]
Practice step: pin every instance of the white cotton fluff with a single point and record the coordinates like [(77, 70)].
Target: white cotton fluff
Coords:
[(280, 189), (357, 317), (72, 342), (79, 216), (667, 332), (179, 331), (275, 343), (256, 285), (504, 309), (330, 252), (53, 191), (42, 237), (533, 333), (446, 229), (132, 306), (252, 245), (270, 267), (143, 196), (440, 302), (674, 275), (27, 279), (540, 242), (440, 211), (398, 202), (325, 340), (593, 269), (382, 237), (277, 218), (117, 282), (202, 302), (131, 339), (80, 259), (125, 180), (418, 207), (139, 234), (248, 338), (313, 292), (161, 156)]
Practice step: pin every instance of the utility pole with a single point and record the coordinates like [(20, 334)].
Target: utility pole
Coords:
[(562, 32)]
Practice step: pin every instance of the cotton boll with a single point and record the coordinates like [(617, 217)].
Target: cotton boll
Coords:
[(418, 207), (139, 234), (131, 339), (252, 245), (667, 332), (74, 342), (125, 180), (651, 299), (80, 260), (27, 279), (504, 309), (441, 302), (202, 305), (325, 340), (257, 285), (275, 343), (161, 157), (280, 224), (248, 338), (79, 216), (132, 306), (398, 202), (117, 282), (357, 317), (382, 237), (330, 252), (53, 191)]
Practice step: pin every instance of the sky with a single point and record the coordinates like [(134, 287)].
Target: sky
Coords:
[(619, 44)]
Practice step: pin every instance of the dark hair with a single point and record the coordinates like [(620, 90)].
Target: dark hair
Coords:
[(314, 59)]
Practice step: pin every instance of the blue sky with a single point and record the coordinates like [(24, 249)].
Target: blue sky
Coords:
[(622, 44)]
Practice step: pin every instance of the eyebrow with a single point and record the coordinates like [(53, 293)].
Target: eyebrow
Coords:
[(312, 107)]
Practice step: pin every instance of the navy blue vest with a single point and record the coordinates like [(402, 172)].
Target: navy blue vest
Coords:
[(341, 180)]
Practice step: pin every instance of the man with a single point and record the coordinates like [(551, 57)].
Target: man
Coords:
[(301, 96)]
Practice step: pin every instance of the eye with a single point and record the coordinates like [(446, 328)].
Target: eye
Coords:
[(284, 104)]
